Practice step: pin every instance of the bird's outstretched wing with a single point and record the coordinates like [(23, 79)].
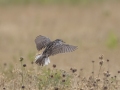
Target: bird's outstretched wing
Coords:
[(62, 48), (41, 42)]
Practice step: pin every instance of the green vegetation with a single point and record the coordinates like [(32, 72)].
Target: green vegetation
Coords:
[(43, 78), (112, 40), (3, 2)]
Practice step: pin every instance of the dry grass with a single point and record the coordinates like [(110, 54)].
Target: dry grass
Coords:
[(89, 27), (43, 78)]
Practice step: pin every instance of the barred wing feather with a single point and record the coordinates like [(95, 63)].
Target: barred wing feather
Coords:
[(63, 48), (41, 42)]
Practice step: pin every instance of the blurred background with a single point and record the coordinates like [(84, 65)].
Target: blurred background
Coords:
[(92, 25)]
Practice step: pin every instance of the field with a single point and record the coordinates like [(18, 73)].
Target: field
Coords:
[(93, 27)]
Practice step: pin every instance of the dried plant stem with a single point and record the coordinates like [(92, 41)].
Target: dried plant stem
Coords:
[(99, 71), (93, 70), (22, 73), (108, 66)]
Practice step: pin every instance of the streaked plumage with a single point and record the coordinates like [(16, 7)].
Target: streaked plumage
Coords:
[(51, 48)]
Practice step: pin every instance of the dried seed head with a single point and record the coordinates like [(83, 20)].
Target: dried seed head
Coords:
[(4, 88), (54, 66), (74, 70), (5, 64), (97, 79), (105, 73), (21, 59), (105, 88), (63, 80), (90, 78), (93, 61), (108, 74), (81, 69), (23, 87), (51, 76), (71, 69), (118, 71), (63, 75), (24, 65), (94, 84), (78, 76), (101, 62), (107, 60), (91, 88), (81, 89), (56, 88), (101, 57)]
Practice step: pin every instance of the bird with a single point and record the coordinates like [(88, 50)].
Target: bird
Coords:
[(50, 48)]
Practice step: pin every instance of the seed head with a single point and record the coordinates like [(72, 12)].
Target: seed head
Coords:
[(108, 74), (78, 76), (101, 57), (63, 80), (118, 71), (97, 79), (63, 75), (54, 66), (108, 60), (51, 76), (92, 72), (81, 69), (71, 69), (91, 88), (21, 59), (5, 64), (24, 65), (101, 62), (56, 88), (74, 70), (104, 73), (23, 87), (105, 88)]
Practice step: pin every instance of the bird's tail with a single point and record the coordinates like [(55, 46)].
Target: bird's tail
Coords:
[(41, 60)]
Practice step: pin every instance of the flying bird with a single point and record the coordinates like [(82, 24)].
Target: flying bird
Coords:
[(51, 48)]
